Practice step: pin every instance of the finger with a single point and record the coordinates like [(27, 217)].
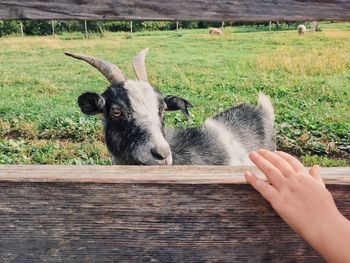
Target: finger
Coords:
[(315, 173), (270, 171), (281, 164), (266, 190), (294, 162)]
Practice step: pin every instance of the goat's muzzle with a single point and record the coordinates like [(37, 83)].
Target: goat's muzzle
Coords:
[(162, 154)]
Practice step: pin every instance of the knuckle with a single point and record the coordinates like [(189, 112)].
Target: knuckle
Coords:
[(264, 187), (270, 170), (293, 186), (275, 173)]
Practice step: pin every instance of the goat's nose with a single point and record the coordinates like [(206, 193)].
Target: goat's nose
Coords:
[(160, 152)]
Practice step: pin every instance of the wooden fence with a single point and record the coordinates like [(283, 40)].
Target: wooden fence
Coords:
[(146, 214), (152, 214), (222, 10)]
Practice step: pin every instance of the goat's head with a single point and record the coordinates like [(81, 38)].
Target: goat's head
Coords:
[(133, 113)]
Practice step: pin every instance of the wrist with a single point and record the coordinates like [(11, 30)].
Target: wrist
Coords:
[(321, 229)]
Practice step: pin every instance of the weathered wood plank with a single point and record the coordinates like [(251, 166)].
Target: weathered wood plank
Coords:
[(226, 10), (146, 214), (145, 174), (61, 222)]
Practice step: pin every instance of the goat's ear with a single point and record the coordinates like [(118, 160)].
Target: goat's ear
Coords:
[(91, 103), (177, 103)]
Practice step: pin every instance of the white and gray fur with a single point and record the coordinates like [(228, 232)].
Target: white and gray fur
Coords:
[(226, 138), (138, 136), (301, 29)]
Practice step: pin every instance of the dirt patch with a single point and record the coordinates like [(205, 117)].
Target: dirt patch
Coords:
[(339, 155), (26, 130)]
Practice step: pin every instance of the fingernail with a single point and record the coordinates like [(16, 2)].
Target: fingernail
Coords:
[(263, 151), (252, 155), (248, 175)]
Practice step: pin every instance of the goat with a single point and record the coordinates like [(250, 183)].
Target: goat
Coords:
[(133, 117), (301, 29), (215, 31)]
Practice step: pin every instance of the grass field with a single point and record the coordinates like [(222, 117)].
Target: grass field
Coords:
[(307, 78)]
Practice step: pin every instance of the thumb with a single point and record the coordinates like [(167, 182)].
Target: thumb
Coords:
[(315, 173)]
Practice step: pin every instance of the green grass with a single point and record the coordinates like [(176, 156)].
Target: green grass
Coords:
[(307, 78), (311, 160)]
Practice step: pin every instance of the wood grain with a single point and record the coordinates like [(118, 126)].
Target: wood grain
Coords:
[(63, 222), (223, 10), (146, 214), (145, 174)]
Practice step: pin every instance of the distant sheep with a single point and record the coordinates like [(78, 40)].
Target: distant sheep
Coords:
[(215, 31), (301, 29)]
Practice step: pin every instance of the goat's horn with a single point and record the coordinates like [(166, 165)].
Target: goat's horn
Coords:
[(112, 73), (140, 66)]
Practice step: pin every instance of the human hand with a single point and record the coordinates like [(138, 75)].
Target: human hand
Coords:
[(297, 194)]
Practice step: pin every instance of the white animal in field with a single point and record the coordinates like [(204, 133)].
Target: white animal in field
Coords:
[(215, 31), (301, 29)]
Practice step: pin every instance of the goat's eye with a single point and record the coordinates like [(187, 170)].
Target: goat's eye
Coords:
[(116, 113)]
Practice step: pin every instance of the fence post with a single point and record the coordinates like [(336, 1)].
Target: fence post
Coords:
[(53, 27), (86, 29), (21, 25), (131, 29)]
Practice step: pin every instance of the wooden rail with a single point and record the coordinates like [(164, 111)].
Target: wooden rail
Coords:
[(223, 10), (184, 174), (146, 214)]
